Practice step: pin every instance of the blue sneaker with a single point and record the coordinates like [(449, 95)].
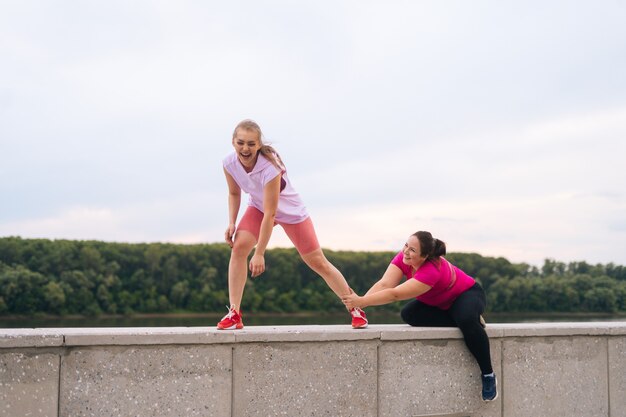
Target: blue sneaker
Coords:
[(490, 387)]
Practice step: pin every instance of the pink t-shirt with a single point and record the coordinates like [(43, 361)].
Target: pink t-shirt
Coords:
[(291, 209), (440, 295)]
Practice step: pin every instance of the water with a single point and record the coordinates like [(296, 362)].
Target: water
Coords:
[(209, 320)]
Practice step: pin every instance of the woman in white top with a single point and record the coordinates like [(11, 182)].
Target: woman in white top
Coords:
[(257, 169)]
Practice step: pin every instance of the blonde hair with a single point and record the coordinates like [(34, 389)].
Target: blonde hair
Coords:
[(266, 150)]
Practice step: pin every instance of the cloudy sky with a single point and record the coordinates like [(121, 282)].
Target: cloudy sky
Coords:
[(498, 126)]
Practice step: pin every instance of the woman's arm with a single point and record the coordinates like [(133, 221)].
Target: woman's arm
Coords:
[(391, 278), (271, 192), (410, 289), (234, 201)]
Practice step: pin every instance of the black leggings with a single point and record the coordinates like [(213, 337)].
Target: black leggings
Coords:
[(465, 314)]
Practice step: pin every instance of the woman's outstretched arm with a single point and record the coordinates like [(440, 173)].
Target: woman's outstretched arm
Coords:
[(391, 278), (410, 289)]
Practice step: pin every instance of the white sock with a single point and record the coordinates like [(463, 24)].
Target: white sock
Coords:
[(491, 374)]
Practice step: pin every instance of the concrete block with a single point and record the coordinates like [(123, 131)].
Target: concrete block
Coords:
[(29, 384), (433, 377), (311, 333), (617, 376), (298, 379), (558, 329), (555, 376), (406, 332), (618, 328), (18, 338), (145, 336), (147, 381)]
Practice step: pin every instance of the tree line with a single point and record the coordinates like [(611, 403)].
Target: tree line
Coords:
[(93, 277)]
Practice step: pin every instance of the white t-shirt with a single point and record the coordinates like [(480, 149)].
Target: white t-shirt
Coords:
[(291, 209)]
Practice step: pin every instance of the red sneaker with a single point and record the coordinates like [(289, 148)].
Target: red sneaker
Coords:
[(359, 321), (231, 321)]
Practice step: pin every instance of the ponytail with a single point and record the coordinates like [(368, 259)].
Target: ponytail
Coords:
[(270, 153), (430, 247), (439, 248)]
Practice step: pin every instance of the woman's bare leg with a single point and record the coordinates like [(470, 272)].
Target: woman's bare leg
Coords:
[(238, 266), (335, 280)]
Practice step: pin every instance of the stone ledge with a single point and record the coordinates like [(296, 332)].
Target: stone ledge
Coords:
[(59, 337), (563, 329), (12, 338), (544, 369)]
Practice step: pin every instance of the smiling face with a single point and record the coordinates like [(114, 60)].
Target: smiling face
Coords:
[(247, 145), (412, 252)]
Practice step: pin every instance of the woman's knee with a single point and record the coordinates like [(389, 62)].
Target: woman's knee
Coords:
[(407, 314), (317, 262), (243, 244)]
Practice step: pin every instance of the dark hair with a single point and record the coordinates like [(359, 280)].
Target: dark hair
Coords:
[(430, 247)]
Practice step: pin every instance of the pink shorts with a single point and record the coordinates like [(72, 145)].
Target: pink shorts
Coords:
[(301, 234)]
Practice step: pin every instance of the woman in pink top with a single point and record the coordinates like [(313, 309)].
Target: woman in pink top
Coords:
[(256, 168), (445, 296)]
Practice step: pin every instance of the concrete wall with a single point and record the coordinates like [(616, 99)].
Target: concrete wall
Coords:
[(556, 369)]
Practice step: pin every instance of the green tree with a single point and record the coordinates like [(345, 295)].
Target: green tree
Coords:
[(78, 277), (600, 299), (22, 290), (180, 294), (105, 299), (54, 297), (91, 259), (78, 288)]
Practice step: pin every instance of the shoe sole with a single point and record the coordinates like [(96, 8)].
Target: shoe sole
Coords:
[(360, 327), (494, 398), (233, 327)]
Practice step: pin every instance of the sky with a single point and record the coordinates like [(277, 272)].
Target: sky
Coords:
[(498, 126)]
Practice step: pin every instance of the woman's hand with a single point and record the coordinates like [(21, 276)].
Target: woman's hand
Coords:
[(228, 235), (257, 265), (352, 300)]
